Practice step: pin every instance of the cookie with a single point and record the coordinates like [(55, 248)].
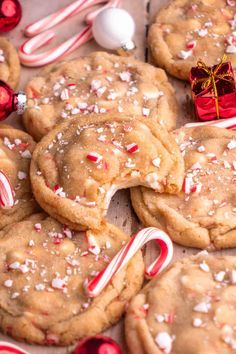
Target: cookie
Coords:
[(186, 31), (78, 167), (98, 83), (9, 63), (189, 309), (204, 212), (44, 267), (16, 148)]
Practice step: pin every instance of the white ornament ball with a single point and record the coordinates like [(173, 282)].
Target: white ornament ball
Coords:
[(113, 28)]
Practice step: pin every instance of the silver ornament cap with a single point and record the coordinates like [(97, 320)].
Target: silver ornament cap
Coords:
[(21, 102)]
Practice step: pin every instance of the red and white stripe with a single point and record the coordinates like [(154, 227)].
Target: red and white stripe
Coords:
[(132, 148), (127, 252), (229, 123), (26, 50), (94, 157), (59, 16), (6, 192), (11, 348), (51, 55)]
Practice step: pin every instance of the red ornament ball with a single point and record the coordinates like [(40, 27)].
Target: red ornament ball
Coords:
[(98, 345), (7, 100), (10, 14)]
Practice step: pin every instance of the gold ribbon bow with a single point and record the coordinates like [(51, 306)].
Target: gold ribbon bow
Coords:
[(211, 79)]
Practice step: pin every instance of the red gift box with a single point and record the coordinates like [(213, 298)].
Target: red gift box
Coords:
[(213, 90)]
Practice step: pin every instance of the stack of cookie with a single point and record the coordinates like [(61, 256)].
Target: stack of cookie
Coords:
[(104, 123)]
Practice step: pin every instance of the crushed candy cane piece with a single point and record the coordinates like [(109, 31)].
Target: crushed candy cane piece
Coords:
[(185, 54), (95, 157), (164, 342), (192, 44), (132, 148)]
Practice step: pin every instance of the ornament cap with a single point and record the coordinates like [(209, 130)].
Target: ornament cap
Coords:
[(126, 48), (21, 100), (129, 45)]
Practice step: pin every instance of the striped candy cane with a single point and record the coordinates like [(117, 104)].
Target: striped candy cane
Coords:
[(6, 192), (96, 285), (11, 348), (26, 50), (29, 59), (229, 123)]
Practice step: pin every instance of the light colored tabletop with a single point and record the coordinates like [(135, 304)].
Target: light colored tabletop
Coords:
[(120, 211)]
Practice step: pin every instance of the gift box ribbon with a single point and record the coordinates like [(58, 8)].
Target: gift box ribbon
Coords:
[(213, 75)]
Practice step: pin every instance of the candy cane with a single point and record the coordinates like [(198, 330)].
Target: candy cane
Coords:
[(97, 284), (53, 54), (6, 192), (11, 348), (229, 123), (26, 55), (59, 16)]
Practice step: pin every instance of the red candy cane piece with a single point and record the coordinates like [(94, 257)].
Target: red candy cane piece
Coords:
[(11, 348), (191, 44), (26, 55), (94, 156), (96, 285), (132, 148), (229, 123), (6, 192)]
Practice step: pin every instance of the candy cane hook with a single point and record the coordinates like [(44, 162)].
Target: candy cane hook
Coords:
[(59, 16), (229, 123), (26, 50), (29, 59), (96, 285), (11, 348), (6, 192)]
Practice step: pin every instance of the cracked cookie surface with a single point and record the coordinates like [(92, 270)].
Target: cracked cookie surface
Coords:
[(9, 63), (43, 269), (186, 31), (203, 214), (98, 83), (189, 309), (16, 148), (78, 167)]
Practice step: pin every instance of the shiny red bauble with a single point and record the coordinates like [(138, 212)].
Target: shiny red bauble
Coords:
[(7, 100), (10, 14), (98, 345)]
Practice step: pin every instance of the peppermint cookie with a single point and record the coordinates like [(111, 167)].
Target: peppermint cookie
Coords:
[(78, 167), (9, 63), (186, 31), (189, 309), (44, 270), (16, 148), (98, 83), (204, 212)]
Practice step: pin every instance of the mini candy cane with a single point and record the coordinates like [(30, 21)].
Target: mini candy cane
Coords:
[(229, 123), (6, 192), (27, 48), (96, 285), (11, 348)]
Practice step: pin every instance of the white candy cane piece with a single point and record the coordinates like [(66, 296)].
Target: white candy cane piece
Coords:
[(229, 123), (26, 55), (11, 348), (6, 192), (96, 285)]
